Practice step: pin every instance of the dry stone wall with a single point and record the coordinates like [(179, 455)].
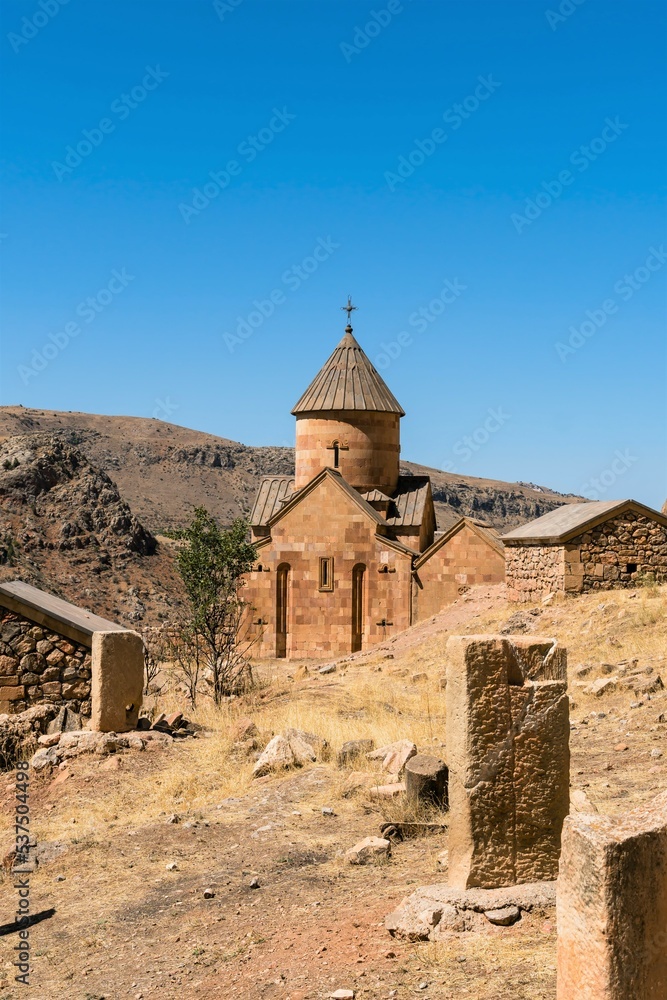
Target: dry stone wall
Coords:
[(619, 552), (37, 665), (533, 571), (623, 549)]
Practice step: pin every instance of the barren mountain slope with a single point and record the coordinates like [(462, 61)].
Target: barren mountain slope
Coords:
[(163, 471), (65, 528)]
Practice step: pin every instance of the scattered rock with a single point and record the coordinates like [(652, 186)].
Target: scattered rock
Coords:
[(621, 747), (602, 686), (368, 851), (342, 995), (254, 883), (244, 729), (328, 668), (356, 781), (647, 685), (277, 756), (394, 756), (293, 748), (209, 894), (580, 802), (387, 791), (412, 920), (66, 721), (49, 740), (174, 818), (656, 753), (172, 867), (353, 749), (328, 811), (504, 917), (419, 678)]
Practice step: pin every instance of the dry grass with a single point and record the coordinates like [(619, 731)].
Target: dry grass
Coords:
[(372, 698)]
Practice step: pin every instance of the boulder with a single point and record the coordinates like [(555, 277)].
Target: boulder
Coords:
[(277, 756), (244, 729), (353, 749), (394, 756), (369, 851), (504, 917)]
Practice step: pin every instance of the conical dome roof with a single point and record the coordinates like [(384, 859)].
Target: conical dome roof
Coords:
[(347, 382)]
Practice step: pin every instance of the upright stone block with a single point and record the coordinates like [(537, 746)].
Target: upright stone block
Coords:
[(508, 755), (612, 906), (118, 680)]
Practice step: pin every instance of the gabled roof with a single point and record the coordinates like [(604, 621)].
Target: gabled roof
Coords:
[(489, 535), (409, 500), (336, 478), (348, 381), (272, 493), (46, 609), (572, 519), (354, 496), (376, 496)]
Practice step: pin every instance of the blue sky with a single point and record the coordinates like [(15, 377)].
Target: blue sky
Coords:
[(191, 190)]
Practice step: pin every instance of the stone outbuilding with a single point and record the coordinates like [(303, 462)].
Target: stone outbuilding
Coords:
[(57, 653), (338, 543), (586, 546)]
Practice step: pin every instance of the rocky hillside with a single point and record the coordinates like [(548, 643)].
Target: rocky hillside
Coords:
[(163, 471), (65, 527)]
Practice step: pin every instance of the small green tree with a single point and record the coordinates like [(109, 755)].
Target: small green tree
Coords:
[(211, 563)]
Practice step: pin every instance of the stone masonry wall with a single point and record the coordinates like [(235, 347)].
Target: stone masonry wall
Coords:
[(464, 561), (39, 665), (533, 571), (327, 523), (370, 448), (617, 553), (624, 541)]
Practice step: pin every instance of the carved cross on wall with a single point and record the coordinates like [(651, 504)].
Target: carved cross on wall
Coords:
[(337, 447)]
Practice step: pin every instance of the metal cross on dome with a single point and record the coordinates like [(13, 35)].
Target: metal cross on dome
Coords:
[(349, 309)]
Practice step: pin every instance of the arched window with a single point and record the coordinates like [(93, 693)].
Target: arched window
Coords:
[(282, 609), (358, 574)]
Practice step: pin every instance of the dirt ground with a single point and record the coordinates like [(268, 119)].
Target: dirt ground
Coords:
[(114, 922)]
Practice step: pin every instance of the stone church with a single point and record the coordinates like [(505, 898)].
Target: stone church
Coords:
[(348, 551)]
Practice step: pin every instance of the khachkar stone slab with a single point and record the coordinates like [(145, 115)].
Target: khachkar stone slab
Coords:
[(612, 906), (508, 754), (118, 679)]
